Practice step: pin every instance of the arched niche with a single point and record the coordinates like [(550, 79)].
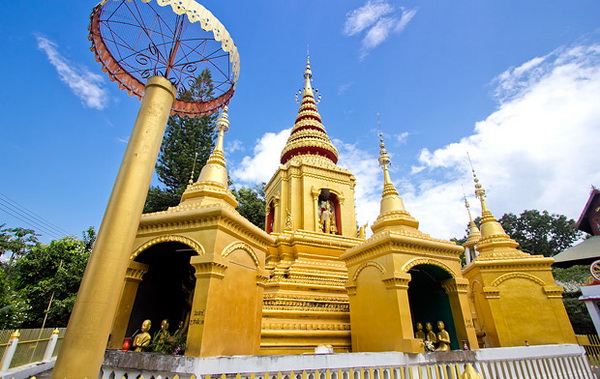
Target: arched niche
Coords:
[(270, 217), (167, 288), (327, 196), (428, 299)]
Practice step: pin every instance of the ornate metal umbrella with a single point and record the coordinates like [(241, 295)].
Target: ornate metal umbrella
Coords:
[(135, 40)]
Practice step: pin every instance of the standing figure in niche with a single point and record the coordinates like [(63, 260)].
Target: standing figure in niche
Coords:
[(443, 338), (327, 220), (142, 340)]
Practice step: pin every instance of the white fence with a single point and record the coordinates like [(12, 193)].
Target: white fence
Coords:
[(547, 361), (22, 347)]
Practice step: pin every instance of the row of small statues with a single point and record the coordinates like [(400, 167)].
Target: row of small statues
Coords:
[(162, 342), (441, 340)]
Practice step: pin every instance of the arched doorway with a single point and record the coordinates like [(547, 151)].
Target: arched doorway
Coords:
[(167, 288), (428, 300)]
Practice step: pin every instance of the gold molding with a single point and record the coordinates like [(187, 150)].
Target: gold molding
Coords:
[(364, 266), (198, 248), (241, 246), (513, 275), (428, 261)]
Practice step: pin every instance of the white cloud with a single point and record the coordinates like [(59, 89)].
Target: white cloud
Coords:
[(402, 137), (536, 151), (379, 19), (85, 84), (343, 88), (233, 146), (262, 165), (361, 18)]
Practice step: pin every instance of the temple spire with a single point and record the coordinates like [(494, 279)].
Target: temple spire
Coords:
[(392, 213), (308, 136), (489, 225), (390, 199), (215, 170), (474, 235), (494, 242), (213, 184), (307, 91)]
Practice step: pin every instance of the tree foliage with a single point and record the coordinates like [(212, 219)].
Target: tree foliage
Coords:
[(52, 271), (541, 233), (537, 232), (187, 144), (252, 204), (16, 242)]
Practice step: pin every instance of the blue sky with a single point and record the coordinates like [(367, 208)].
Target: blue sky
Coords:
[(517, 84)]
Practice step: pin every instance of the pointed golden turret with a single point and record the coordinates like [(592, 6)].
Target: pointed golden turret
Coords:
[(213, 180), (308, 136), (473, 238), (392, 212), (494, 242), (474, 233)]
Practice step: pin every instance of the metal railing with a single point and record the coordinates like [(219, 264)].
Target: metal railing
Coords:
[(591, 344), (25, 346)]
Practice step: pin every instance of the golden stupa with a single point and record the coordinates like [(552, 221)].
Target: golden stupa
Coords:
[(312, 279)]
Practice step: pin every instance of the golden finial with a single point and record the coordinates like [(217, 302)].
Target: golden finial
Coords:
[(307, 71), (479, 191), (191, 181), (223, 121), (384, 158)]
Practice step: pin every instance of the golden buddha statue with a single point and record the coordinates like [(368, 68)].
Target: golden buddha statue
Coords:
[(327, 220), (443, 338), (430, 335), (420, 334), (164, 337), (142, 340)]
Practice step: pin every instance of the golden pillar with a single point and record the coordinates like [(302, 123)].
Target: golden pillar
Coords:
[(87, 334), (133, 277), (457, 290), (210, 269)]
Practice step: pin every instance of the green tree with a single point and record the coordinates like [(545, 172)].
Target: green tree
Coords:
[(16, 242), (572, 278), (541, 233), (187, 144), (52, 271), (252, 204), (538, 232), (13, 307)]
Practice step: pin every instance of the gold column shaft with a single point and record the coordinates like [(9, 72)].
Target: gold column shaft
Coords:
[(87, 333)]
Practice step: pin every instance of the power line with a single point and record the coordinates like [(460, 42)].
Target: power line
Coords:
[(16, 210), (30, 223), (44, 221)]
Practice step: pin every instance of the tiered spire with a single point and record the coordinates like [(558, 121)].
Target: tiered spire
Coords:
[(392, 212), (494, 243), (213, 179), (308, 136), (474, 233)]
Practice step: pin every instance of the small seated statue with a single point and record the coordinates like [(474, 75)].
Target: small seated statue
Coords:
[(443, 338), (420, 334), (142, 339), (430, 335)]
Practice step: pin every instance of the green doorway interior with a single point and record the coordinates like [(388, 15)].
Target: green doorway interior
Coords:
[(428, 300)]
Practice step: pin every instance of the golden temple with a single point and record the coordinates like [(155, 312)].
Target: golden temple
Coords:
[(312, 279)]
